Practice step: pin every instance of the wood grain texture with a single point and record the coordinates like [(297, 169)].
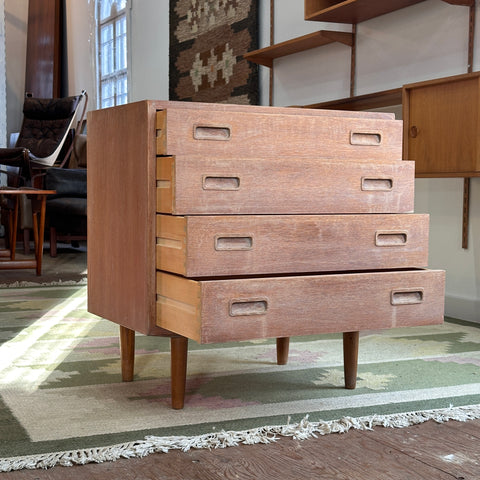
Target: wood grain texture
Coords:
[(441, 122), (262, 135), (250, 308), (223, 245), (265, 56), (43, 67), (121, 215), (205, 185), (350, 358), (127, 353), (178, 362), (376, 454), (258, 109), (434, 448)]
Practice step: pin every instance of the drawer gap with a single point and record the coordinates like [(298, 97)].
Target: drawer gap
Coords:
[(303, 274)]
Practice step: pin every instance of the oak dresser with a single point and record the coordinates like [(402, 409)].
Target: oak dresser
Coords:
[(224, 223)]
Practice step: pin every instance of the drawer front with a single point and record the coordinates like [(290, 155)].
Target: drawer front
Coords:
[(270, 135), (205, 185), (249, 308), (205, 246)]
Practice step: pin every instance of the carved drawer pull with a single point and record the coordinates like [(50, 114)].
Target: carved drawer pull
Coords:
[(390, 239), (210, 132), (365, 138), (407, 297), (248, 307), (233, 243), (377, 184), (221, 183)]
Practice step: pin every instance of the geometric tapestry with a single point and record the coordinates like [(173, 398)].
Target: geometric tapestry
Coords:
[(208, 39)]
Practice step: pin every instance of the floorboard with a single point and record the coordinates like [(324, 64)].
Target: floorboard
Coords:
[(430, 451)]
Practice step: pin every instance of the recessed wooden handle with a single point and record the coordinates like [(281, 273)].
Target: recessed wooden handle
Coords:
[(390, 239), (413, 131), (377, 184), (248, 307), (221, 183), (365, 138), (406, 297), (211, 132), (233, 243)]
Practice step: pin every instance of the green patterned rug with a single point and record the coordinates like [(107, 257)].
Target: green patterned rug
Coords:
[(62, 400)]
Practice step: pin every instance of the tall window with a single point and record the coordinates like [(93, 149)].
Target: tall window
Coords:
[(112, 52)]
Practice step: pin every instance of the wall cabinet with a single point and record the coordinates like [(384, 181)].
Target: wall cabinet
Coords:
[(441, 125)]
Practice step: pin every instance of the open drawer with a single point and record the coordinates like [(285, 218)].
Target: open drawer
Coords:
[(226, 245), (210, 311), (223, 131), (197, 185)]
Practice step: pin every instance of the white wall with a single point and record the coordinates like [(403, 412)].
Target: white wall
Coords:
[(16, 14), (425, 41)]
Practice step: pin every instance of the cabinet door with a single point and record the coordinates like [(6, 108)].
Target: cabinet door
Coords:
[(441, 126)]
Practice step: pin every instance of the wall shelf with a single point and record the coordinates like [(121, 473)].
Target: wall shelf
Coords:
[(385, 98), (356, 11), (265, 56)]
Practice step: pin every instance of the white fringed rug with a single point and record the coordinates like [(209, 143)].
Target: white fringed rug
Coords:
[(62, 401)]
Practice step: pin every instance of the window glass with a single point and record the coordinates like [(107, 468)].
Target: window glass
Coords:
[(112, 78)]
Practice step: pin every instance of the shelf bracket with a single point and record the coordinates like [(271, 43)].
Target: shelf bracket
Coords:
[(353, 60), (466, 181), (466, 211)]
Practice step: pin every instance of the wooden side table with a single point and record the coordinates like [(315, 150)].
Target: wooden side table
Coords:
[(39, 199)]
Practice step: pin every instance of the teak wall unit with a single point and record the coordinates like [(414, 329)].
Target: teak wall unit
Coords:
[(441, 126), (355, 11), (223, 223)]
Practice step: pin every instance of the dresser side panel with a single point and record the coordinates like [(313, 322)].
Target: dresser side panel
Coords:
[(121, 215)]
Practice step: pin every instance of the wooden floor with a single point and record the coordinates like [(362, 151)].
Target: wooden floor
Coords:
[(430, 452)]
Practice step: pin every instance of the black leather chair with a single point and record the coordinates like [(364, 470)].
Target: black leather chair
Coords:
[(45, 140), (66, 214)]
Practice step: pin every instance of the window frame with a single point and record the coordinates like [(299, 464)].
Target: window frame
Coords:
[(117, 73)]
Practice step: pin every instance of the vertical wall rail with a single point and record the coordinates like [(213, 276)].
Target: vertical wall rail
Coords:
[(353, 60), (466, 181), (466, 211), (272, 39)]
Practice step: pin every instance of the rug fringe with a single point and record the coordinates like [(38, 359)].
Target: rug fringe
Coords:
[(298, 431), (59, 283)]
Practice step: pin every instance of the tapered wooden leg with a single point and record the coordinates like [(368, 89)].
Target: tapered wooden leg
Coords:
[(127, 352), (283, 344), (350, 358), (178, 358)]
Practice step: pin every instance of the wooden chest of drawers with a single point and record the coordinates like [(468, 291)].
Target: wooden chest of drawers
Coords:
[(224, 223)]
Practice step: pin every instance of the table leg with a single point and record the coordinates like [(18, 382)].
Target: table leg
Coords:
[(35, 234), (41, 233), (350, 358), (178, 358), (283, 344), (127, 352), (13, 231)]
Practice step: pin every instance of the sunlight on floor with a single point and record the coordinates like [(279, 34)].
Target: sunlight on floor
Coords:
[(21, 359)]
